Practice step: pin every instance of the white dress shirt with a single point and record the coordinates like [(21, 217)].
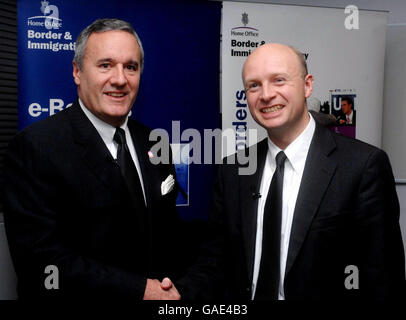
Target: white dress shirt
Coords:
[(296, 154), (106, 132)]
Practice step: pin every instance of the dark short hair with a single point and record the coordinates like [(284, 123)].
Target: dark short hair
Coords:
[(348, 99), (103, 25)]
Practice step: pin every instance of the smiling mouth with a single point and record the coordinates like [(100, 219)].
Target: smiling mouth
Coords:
[(272, 109), (116, 94)]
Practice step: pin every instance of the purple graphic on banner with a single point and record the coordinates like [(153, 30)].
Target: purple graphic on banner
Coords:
[(348, 131)]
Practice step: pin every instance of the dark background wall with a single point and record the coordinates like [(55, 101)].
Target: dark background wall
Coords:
[(8, 124)]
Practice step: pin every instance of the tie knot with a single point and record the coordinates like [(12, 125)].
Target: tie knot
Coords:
[(280, 158), (119, 136)]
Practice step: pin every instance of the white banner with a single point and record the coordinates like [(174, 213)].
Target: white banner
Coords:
[(344, 49), (394, 115)]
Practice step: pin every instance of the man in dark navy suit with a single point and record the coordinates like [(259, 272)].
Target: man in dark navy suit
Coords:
[(81, 193)]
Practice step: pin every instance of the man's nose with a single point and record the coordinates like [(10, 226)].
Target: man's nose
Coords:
[(268, 92), (118, 77)]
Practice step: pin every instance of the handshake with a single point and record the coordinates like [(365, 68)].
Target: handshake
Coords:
[(165, 290)]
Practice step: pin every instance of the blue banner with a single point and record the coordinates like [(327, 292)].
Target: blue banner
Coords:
[(180, 81)]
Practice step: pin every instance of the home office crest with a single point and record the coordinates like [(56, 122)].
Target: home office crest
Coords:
[(244, 19), (245, 30), (49, 18)]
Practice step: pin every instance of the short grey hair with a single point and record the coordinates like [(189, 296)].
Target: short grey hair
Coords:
[(103, 25)]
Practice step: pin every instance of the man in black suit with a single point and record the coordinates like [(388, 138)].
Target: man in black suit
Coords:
[(82, 198), (348, 112), (319, 217)]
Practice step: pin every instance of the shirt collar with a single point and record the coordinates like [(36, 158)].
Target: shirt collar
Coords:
[(105, 130), (296, 151)]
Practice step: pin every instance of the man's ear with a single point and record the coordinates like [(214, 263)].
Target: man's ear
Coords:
[(308, 85), (76, 73)]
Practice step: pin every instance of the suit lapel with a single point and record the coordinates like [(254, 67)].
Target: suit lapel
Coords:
[(249, 190), (94, 151), (318, 171)]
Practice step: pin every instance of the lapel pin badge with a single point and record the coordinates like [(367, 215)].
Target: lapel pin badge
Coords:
[(150, 154)]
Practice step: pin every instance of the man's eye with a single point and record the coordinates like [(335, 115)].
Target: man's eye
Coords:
[(132, 67), (104, 65), (252, 85)]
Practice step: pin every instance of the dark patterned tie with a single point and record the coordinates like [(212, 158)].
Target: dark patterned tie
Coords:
[(268, 279)]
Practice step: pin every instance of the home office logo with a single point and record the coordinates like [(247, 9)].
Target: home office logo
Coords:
[(244, 31), (49, 18), (242, 43)]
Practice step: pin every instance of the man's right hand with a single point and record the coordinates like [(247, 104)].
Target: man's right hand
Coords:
[(155, 290)]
